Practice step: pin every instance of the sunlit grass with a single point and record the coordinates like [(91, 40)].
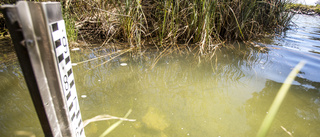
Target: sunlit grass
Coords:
[(205, 24), (72, 33), (162, 23), (301, 7)]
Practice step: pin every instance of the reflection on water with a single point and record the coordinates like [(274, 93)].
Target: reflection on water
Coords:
[(299, 112), (304, 36), (228, 97), (184, 96), (192, 99)]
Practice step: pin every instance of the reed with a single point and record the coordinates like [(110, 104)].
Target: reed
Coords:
[(72, 33), (162, 23)]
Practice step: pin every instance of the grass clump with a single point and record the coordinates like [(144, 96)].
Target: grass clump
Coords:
[(173, 22), (163, 23), (305, 9), (69, 20), (298, 6)]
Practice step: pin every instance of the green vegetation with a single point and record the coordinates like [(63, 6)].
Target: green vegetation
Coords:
[(163, 23), (304, 8), (70, 26)]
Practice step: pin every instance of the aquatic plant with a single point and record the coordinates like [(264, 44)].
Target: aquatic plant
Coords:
[(162, 23), (266, 124), (204, 23), (72, 33)]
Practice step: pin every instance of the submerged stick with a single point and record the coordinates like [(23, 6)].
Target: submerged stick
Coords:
[(111, 59), (103, 118), (97, 58), (289, 133), (113, 126), (264, 128)]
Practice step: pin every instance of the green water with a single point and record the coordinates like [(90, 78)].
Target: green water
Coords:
[(229, 97), (181, 95)]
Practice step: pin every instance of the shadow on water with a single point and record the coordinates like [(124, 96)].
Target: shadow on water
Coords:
[(299, 114), (17, 114)]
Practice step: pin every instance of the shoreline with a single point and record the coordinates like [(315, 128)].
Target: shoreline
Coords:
[(305, 12), (303, 9)]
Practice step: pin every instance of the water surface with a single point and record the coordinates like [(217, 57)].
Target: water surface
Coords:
[(186, 96)]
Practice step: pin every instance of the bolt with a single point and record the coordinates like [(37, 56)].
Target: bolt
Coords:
[(29, 42)]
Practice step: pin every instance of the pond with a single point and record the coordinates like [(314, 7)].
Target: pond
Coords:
[(181, 95)]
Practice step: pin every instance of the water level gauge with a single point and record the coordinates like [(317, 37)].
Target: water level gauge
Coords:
[(40, 40), (62, 53)]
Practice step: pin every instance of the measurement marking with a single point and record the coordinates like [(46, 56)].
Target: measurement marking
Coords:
[(57, 43), (81, 131), (70, 107), (69, 72), (73, 117), (60, 43), (78, 113), (79, 123), (60, 58), (71, 84), (55, 27), (67, 59), (69, 95), (64, 41)]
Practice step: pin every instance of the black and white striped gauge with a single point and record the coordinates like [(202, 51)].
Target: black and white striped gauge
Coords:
[(41, 43), (62, 55)]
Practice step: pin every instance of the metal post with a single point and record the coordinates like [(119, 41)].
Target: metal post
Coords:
[(39, 36)]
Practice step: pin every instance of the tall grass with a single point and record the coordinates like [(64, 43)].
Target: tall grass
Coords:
[(174, 22), (203, 23), (72, 33)]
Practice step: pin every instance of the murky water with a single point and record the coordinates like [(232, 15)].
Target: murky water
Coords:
[(184, 96)]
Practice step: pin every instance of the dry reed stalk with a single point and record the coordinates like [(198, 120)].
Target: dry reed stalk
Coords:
[(104, 118), (202, 23), (121, 53)]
